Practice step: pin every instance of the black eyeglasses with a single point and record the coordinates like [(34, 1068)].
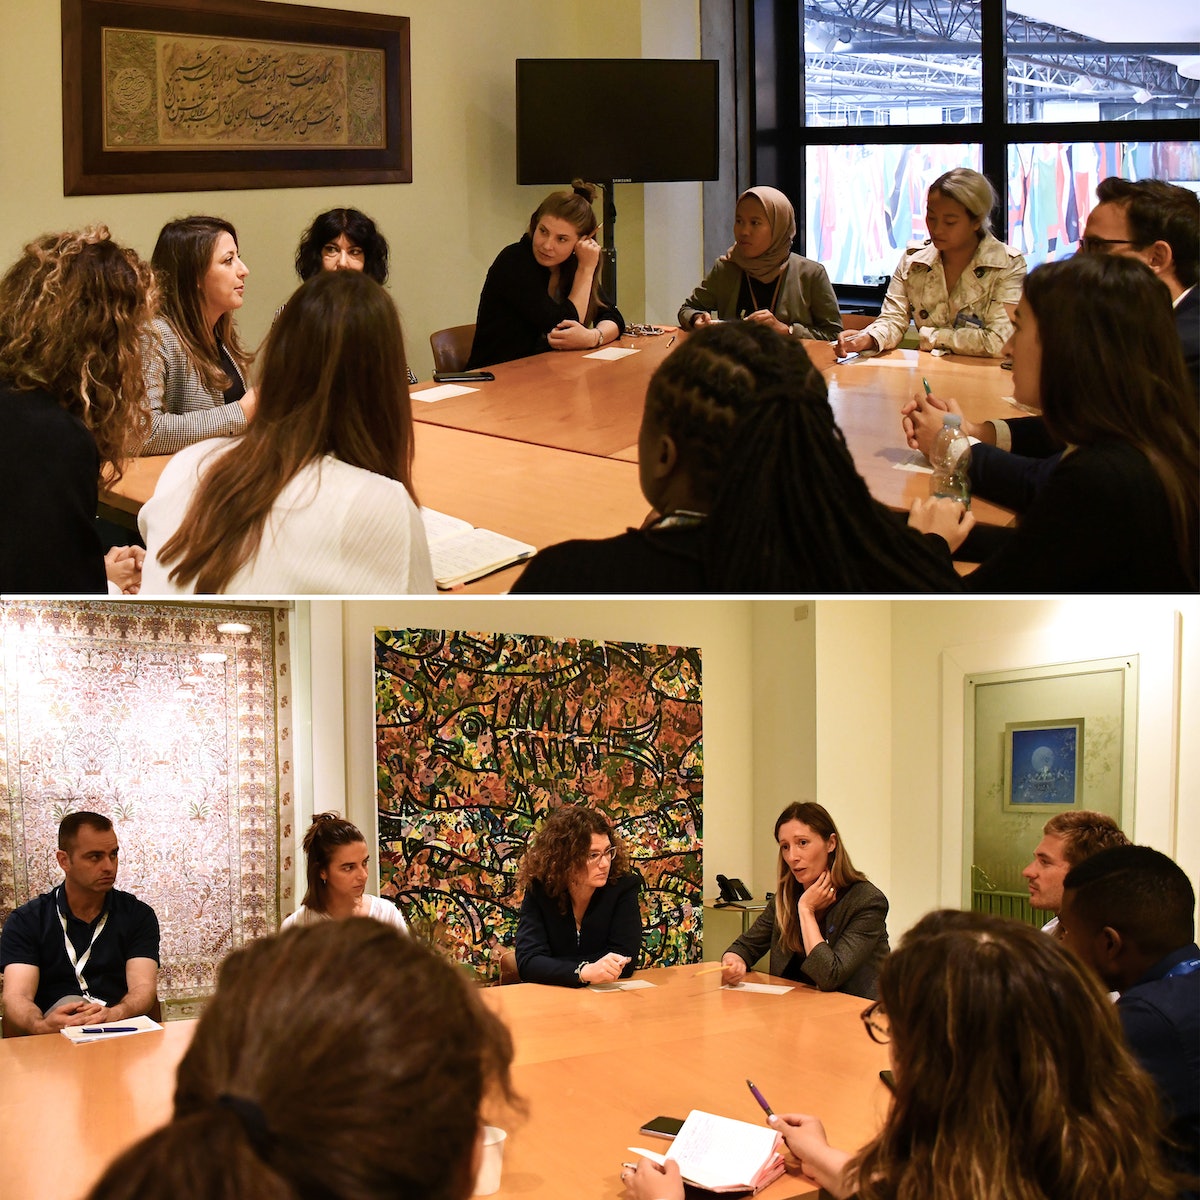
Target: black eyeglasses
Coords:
[(1099, 245), (879, 1028)]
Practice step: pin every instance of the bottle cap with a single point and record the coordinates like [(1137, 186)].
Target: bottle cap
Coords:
[(952, 419)]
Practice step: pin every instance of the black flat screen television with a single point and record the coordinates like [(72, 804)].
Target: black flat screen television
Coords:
[(629, 120)]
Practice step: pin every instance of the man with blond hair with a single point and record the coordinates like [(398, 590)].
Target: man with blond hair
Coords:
[(1068, 838)]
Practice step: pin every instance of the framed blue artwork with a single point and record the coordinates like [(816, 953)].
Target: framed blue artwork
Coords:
[(1043, 765)]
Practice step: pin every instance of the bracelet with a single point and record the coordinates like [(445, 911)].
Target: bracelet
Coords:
[(599, 338)]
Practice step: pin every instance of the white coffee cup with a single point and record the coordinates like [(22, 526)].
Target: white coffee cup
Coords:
[(487, 1180)]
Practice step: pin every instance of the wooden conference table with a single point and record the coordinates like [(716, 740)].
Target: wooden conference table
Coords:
[(591, 1066), (548, 450), (571, 402)]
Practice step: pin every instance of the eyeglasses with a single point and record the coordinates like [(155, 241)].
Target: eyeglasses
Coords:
[(1099, 245), (332, 251), (596, 855), (879, 1028)]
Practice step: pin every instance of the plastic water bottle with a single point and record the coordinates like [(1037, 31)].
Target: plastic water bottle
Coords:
[(951, 459)]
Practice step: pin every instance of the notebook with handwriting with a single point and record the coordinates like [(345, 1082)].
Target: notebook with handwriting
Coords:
[(461, 553), (719, 1154)]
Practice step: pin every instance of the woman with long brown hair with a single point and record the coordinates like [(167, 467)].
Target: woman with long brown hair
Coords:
[(1095, 348), (316, 496), (344, 1061), (580, 921), (73, 311), (543, 292), (196, 368), (1011, 1081), (828, 924)]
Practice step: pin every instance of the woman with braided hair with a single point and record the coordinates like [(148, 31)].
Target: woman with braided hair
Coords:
[(344, 1061), (752, 485)]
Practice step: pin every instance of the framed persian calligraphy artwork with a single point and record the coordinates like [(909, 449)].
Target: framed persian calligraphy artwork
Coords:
[(172, 95)]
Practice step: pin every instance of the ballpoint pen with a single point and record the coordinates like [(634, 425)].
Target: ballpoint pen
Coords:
[(762, 1100)]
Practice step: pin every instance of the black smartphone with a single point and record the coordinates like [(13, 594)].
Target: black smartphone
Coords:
[(463, 376), (662, 1127)]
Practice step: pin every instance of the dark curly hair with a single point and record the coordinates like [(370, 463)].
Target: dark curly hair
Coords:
[(360, 231), (561, 847)]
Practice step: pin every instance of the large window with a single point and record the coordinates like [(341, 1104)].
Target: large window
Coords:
[(860, 104)]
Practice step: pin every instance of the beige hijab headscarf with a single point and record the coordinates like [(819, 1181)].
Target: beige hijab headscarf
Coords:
[(782, 219)]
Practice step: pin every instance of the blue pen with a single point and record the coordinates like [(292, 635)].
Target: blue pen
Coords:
[(762, 1100), (112, 1029)]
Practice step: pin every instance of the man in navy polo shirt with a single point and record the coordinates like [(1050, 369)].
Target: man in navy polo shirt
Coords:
[(84, 952), (1127, 913)]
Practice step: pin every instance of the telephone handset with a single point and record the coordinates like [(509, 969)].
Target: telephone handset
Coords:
[(733, 891)]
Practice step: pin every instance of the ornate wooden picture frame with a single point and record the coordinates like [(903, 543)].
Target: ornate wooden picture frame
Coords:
[(172, 95)]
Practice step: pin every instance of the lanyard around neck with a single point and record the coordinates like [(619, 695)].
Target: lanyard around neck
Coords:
[(79, 962), (1187, 967)]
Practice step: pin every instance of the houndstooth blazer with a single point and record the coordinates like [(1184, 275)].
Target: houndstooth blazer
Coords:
[(182, 409)]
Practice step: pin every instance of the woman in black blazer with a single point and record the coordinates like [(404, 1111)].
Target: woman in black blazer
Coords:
[(580, 922)]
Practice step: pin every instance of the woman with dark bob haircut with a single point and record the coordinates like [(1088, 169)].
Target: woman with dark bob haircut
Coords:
[(1095, 349), (1012, 1081), (343, 239), (828, 924), (580, 922), (316, 496), (74, 309), (344, 1061), (196, 367)]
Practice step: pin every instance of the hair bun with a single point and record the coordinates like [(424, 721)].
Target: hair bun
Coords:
[(587, 190)]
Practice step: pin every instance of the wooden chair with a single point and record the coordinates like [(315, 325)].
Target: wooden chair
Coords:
[(856, 320), (452, 347)]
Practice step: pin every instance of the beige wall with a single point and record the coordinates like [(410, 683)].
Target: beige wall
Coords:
[(858, 704), (447, 225)]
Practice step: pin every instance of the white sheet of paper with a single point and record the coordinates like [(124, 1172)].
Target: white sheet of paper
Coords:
[(768, 989), (611, 353), (129, 1026), (442, 392), (621, 985)]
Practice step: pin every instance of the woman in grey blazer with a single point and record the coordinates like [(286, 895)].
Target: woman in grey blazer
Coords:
[(195, 366), (827, 925)]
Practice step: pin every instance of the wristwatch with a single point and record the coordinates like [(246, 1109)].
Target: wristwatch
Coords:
[(579, 972)]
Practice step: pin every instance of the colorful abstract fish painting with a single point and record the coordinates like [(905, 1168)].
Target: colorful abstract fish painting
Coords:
[(478, 736)]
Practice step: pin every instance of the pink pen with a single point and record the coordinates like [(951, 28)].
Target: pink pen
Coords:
[(762, 1100)]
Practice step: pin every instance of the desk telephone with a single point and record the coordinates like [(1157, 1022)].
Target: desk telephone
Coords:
[(733, 891)]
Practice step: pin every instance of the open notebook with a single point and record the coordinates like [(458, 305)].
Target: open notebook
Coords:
[(460, 552), (719, 1154)]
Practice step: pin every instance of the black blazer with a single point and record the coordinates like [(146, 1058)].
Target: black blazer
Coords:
[(549, 950)]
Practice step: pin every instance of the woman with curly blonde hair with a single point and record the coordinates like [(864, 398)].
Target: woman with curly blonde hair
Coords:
[(73, 310), (580, 921), (1012, 1080)]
